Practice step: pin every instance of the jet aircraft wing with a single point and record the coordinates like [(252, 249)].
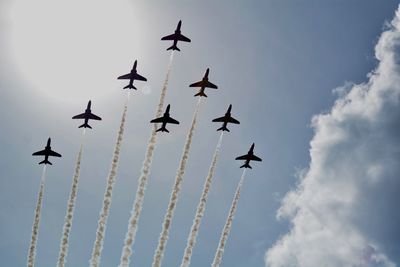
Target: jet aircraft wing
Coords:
[(140, 77), (169, 37), (232, 120), (80, 116), (221, 119), (244, 157), (183, 38), (54, 154), (40, 153), (198, 84), (211, 85), (125, 77), (173, 121), (158, 120), (94, 117), (255, 158)]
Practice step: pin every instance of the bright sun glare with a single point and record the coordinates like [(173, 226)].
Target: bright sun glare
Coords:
[(72, 49)]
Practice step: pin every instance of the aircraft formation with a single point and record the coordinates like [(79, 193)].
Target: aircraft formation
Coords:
[(161, 122), (164, 120)]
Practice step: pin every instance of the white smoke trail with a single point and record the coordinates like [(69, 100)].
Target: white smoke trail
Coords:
[(164, 88), (142, 182), (36, 222), (228, 225), (102, 223), (201, 207), (70, 209), (159, 253)]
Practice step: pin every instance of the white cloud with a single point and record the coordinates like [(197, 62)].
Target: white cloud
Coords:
[(344, 212)]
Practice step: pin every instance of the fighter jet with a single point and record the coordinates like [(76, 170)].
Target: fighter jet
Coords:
[(46, 153), (226, 119), (133, 75), (164, 120), (248, 157), (177, 36), (203, 84), (88, 115)]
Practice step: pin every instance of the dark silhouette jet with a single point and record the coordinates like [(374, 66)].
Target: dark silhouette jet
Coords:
[(248, 157), (46, 153), (88, 115), (203, 84), (177, 36), (133, 75), (226, 119), (164, 120)]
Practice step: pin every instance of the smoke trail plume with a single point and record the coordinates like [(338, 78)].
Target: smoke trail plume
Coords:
[(164, 88), (142, 182), (70, 209), (101, 227), (228, 224), (36, 222), (201, 207), (159, 253)]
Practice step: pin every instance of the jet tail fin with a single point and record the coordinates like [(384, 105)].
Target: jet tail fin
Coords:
[(162, 129), (173, 47), (201, 94), (223, 128), (45, 162), (130, 86), (85, 125), (246, 165)]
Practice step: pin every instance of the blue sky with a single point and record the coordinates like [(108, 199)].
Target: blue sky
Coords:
[(277, 62)]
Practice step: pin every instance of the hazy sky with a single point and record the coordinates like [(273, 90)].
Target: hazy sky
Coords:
[(277, 62)]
